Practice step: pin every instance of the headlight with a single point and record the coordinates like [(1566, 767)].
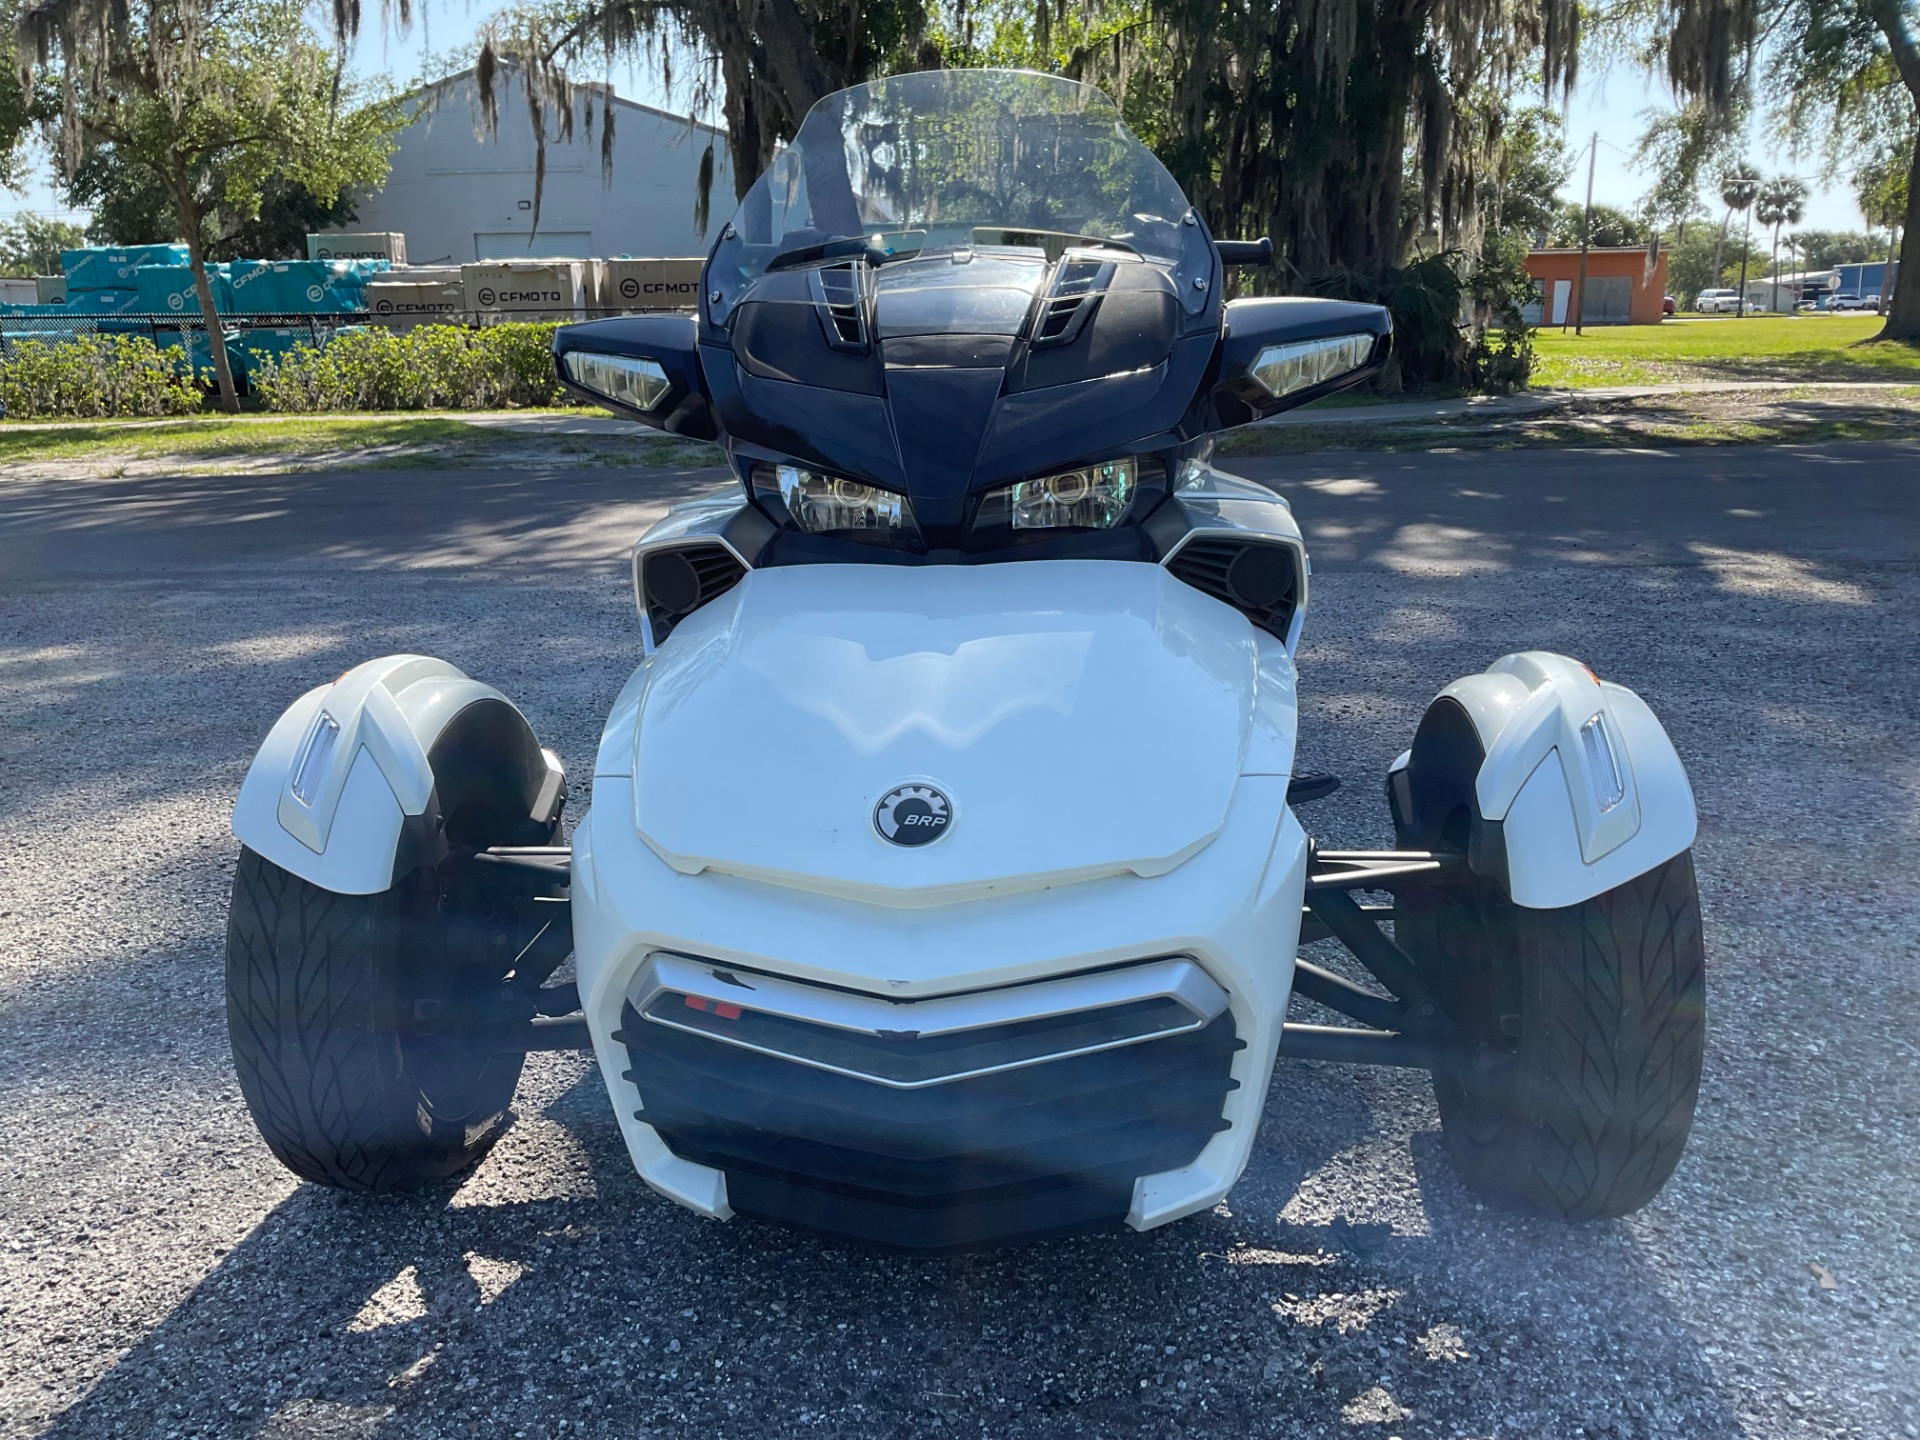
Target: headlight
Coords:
[(637, 384), (826, 503), (1282, 369), (1094, 497)]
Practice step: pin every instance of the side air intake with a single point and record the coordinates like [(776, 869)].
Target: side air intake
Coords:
[(839, 295), (1258, 578), (1070, 301), (679, 581)]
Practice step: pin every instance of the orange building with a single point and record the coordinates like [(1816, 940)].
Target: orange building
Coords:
[(1621, 288)]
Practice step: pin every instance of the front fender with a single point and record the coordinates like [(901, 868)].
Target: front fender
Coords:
[(344, 791), (1577, 788)]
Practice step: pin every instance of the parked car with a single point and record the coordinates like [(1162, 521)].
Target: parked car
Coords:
[(1667, 307), (1854, 302), (1718, 302)]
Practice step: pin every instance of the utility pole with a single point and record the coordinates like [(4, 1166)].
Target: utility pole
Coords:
[(1746, 245), (1586, 235)]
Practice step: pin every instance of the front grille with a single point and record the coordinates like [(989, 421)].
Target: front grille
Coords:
[(988, 1154)]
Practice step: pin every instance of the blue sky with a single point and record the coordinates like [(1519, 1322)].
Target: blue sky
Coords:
[(1612, 102), (1609, 102)]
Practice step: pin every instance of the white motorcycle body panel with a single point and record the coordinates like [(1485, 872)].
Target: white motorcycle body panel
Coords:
[(332, 786), (1084, 718), (1587, 788), (1166, 736)]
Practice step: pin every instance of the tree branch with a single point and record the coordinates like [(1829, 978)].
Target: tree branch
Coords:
[(1890, 16)]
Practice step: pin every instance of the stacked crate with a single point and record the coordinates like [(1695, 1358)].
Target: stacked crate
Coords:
[(387, 245), (417, 294), (665, 284), (500, 290)]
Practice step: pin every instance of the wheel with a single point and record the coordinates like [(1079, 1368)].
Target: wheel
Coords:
[(346, 1018), (1592, 1018)]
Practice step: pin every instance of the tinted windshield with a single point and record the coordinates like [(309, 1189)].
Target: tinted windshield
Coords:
[(954, 158)]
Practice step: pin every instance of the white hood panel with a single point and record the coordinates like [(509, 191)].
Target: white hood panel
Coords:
[(1084, 718)]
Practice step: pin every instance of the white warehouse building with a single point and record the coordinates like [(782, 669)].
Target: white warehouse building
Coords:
[(459, 194)]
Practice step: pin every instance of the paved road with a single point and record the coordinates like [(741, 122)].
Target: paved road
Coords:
[(159, 1275)]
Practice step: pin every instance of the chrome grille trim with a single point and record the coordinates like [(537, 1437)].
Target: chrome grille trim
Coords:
[(1178, 981)]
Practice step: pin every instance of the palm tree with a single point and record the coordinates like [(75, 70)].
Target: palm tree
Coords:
[(1779, 203), (1739, 187)]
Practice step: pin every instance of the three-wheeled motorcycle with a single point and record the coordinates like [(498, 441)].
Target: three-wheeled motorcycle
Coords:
[(942, 883)]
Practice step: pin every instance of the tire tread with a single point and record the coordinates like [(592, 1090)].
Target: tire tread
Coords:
[(1599, 1100), (324, 1079)]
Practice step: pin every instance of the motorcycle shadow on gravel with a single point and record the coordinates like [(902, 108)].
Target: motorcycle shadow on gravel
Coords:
[(552, 1293)]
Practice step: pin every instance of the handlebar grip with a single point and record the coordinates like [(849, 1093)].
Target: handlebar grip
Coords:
[(1246, 252)]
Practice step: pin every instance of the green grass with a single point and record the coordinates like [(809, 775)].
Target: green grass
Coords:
[(1750, 348), (332, 441)]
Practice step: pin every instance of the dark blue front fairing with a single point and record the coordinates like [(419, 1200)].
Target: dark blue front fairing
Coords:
[(951, 282), (944, 387)]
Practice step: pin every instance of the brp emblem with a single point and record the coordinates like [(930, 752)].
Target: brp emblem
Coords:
[(913, 815)]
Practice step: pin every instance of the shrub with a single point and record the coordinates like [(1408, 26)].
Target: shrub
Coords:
[(1462, 333), (1424, 299), (1500, 288), (431, 367), (101, 377)]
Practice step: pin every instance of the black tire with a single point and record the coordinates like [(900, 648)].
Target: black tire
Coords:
[(1592, 1017), (1587, 1115), (322, 1010)]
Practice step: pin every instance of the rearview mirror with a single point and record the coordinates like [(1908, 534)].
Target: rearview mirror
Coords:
[(1278, 353), (641, 367)]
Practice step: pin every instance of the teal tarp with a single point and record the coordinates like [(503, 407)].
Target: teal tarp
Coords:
[(99, 302), (201, 354), (169, 289), (301, 287), (274, 342), (108, 267)]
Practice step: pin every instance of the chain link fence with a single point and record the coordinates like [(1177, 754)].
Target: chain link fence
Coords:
[(271, 333), (165, 330)]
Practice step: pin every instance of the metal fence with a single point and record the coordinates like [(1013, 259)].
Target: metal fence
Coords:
[(172, 329), (276, 331)]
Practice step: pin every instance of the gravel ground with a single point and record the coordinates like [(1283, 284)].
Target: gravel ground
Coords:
[(160, 1276)]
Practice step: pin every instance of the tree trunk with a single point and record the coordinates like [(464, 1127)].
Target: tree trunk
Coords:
[(1776, 269), (216, 335), (186, 210), (1902, 307), (744, 121), (790, 55)]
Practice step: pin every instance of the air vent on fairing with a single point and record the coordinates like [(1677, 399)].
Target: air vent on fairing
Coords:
[(1070, 301), (1256, 577), (675, 583), (839, 294)]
